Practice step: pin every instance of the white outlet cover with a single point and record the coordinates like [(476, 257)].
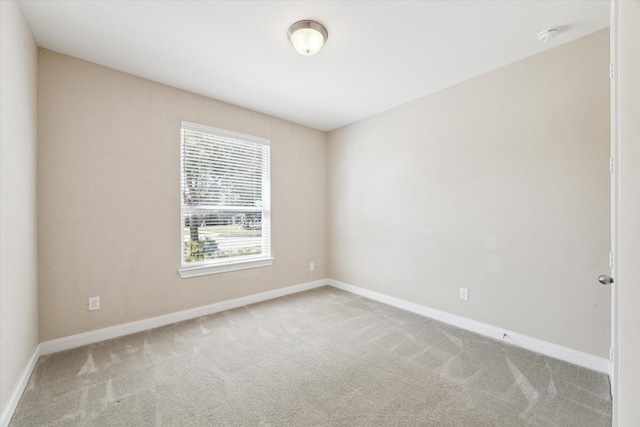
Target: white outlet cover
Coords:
[(464, 294), (94, 303)]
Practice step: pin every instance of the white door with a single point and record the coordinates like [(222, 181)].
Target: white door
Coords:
[(610, 278)]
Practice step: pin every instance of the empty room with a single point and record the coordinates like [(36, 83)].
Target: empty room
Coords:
[(320, 213)]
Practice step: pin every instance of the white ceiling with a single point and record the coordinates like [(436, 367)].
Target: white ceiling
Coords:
[(379, 54)]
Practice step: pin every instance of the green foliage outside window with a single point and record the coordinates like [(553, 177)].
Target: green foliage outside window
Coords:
[(207, 248)]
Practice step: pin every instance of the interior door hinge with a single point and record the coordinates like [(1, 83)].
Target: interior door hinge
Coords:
[(611, 259), (610, 70), (611, 165), (611, 354)]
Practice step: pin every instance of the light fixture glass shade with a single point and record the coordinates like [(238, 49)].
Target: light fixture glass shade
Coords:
[(307, 37)]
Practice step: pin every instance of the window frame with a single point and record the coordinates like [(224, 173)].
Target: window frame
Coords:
[(221, 265)]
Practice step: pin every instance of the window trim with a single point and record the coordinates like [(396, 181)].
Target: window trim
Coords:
[(202, 268), (205, 269)]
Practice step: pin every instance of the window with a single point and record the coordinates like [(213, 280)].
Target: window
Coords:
[(225, 203)]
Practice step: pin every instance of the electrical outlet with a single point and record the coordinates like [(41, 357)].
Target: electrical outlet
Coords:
[(94, 303), (464, 294), (312, 267)]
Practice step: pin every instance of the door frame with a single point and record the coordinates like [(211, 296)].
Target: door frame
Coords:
[(614, 163)]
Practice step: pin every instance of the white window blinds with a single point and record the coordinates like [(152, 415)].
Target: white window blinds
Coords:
[(225, 200)]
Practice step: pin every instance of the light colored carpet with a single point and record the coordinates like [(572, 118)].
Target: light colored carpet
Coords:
[(319, 358)]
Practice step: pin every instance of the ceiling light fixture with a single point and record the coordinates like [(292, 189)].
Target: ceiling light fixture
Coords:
[(547, 35), (307, 37)]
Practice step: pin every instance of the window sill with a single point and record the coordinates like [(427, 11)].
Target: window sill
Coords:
[(202, 270)]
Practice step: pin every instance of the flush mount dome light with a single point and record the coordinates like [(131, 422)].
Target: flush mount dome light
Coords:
[(307, 37)]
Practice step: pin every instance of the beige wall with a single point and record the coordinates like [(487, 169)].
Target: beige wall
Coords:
[(108, 194), (626, 410), (500, 185), (18, 263)]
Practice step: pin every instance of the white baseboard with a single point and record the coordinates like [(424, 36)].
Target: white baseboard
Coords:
[(7, 414), (73, 341), (566, 354)]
